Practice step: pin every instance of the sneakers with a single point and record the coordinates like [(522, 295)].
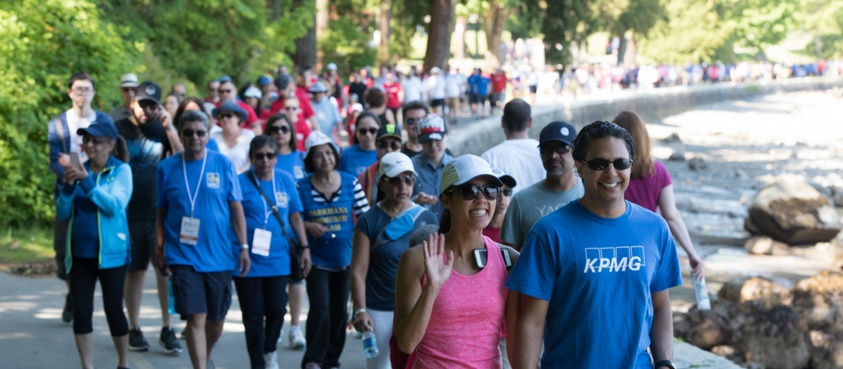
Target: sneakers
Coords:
[(136, 340), (312, 366), (67, 313), (168, 340), (271, 360), (296, 338)]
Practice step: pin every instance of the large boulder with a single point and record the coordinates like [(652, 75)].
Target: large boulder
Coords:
[(761, 290), (772, 338), (819, 300), (826, 350), (791, 210), (709, 328)]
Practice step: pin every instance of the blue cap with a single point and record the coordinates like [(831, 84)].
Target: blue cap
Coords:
[(100, 128), (231, 106), (264, 80), (225, 79)]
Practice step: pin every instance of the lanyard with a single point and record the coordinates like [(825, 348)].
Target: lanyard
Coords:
[(192, 198), (267, 212)]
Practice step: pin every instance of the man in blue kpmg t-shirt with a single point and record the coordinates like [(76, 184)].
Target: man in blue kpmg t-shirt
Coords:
[(594, 275)]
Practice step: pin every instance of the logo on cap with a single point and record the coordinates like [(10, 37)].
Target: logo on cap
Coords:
[(564, 131), (150, 90)]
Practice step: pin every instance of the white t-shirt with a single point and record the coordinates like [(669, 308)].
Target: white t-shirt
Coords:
[(436, 86), (239, 154), (74, 122), (412, 89), (452, 85), (519, 158)]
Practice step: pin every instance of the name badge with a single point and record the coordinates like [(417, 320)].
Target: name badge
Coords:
[(260, 243), (189, 234)]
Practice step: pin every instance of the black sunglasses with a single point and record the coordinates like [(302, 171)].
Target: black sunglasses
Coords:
[(190, 133), (394, 145), (146, 104), (276, 129), (506, 192), (602, 164), (226, 115), (370, 131), (225, 91), (470, 191), (412, 121), (407, 179), (560, 149), (261, 156)]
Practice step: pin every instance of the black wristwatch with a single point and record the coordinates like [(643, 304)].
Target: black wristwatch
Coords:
[(667, 363)]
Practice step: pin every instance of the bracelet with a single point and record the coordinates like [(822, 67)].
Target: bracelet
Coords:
[(361, 311), (667, 363), (244, 246)]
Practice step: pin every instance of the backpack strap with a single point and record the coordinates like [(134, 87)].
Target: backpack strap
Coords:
[(415, 211)]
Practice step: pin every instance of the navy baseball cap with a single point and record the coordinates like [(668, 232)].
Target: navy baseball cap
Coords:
[(558, 131), (264, 80), (100, 128), (148, 90)]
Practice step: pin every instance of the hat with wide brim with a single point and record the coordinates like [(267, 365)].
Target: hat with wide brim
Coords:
[(465, 168), (231, 106), (317, 138)]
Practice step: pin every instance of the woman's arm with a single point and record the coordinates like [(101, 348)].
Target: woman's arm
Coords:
[(359, 268), (667, 206), (115, 200), (511, 313)]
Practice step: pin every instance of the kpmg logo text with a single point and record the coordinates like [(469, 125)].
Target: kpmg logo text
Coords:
[(614, 259)]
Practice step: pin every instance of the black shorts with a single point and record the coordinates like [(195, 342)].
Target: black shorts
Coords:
[(477, 99), (534, 88), (60, 246), (437, 102), (142, 234), (201, 293)]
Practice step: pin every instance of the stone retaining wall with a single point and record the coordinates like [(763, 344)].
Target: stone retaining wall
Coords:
[(477, 136)]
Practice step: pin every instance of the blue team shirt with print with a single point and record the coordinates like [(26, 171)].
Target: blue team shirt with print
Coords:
[(355, 160), (259, 215), (291, 163), (597, 274), (217, 186)]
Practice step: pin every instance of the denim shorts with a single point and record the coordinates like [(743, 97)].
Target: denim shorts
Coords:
[(201, 293)]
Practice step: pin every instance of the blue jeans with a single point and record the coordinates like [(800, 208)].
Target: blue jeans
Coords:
[(262, 297), (328, 316)]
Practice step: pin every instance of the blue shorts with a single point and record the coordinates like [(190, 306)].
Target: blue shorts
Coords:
[(201, 293)]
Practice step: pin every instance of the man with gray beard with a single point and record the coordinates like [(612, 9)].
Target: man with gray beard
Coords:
[(560, 186)]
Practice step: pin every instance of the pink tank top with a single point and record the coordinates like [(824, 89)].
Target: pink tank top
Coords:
[(465, 326)]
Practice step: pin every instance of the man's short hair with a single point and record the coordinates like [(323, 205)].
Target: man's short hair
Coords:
[(597, 130), (414, 105), (193, 116), (516, 115), (81, 76)]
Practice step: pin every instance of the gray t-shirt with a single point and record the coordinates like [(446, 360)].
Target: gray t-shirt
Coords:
[(530, 205)]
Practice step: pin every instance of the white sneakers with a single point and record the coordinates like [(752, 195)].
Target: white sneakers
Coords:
[(295, 338), (271, 360)]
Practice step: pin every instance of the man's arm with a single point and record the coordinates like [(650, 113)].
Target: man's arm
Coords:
[(238, 221), (661, 333), (528, 333)]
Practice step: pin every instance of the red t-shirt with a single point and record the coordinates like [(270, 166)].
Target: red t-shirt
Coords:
[(498, 82), (302, 129), (392, 90), (304, 102)]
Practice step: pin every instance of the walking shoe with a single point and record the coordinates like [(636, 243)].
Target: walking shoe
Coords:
[(296, 338), (270, 360), (312, 366), (67, 313), (168, 340), (136, 340)]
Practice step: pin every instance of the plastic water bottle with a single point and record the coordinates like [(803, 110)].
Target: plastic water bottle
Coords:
[(171, 308), (370, 344), (701, 293)]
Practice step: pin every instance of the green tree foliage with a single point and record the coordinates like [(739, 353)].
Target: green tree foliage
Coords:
[(44, 42), (692, 33), (347, 45), (563, 23), (757, 23)]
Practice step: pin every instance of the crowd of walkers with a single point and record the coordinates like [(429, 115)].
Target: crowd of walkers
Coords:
[(298, 183)]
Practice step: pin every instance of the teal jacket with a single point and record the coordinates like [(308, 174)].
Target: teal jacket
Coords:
[(111, 194)]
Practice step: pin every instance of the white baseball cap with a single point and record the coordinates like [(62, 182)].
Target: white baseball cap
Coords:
[(317, 138), (464, 169), (395, 163), (253, 91)]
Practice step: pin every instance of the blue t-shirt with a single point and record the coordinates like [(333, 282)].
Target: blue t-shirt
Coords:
[(385, 255), (217, 186), (259, 215), (355, 160), (212, 146), (85, 234), (333, 249), (291, 163), (597, 274), (429, 179)]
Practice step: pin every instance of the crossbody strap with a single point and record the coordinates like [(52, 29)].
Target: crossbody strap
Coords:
[(60, 133), (254, 181)]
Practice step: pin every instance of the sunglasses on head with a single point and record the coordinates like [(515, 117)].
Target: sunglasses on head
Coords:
[(603, 164), (261, 156), (407, 179), (394, 145), (470, 191), (190, 133), (369, 131), (276, 129), (560, 149)]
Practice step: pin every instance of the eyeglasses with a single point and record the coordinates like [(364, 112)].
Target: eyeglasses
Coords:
[(412, 121), (394, 145), (127, 89), (226, 115), (506, 192), (267, 156), (559, 149), (190, 133), (603, 164), (83, 90), (276, 129), (94, 140), (291, 108), (225, 91), (370, 131), (408, 179), (470, 191)]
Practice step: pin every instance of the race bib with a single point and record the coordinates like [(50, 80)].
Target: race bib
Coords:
[(261, 241), (189, 234)]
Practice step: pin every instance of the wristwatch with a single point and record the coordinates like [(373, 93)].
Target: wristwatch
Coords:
[(360, 311), (244, 246), (667, 363)]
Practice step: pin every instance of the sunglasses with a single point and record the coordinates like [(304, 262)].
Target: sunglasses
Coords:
[(225, 91), (412, 121), (408, 179), (470, 191), (291, 108), (395, 146), (369, 131), (93, 140), (560, 149), (127, 89), (276, 129), (506, 192), (146, 104), (602, 164), (190, 133), (267, 156)]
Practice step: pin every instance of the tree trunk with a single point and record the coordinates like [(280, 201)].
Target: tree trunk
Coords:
[(439, 33), (621, 48), (275, 9), (383, 45), (493, 27), (305, 53), (459, 36), (321, 23)]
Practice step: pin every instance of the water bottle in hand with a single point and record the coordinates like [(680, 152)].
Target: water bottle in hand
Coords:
[(370, 344), (172, 300)]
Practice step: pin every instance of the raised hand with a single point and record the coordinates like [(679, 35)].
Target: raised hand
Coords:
[(436, 268)]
